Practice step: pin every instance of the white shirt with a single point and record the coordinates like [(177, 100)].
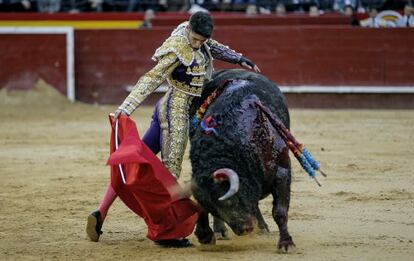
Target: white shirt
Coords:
[(375, 22), (406, 21)]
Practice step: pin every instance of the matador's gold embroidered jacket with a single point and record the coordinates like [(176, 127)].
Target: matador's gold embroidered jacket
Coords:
[(185, 70)]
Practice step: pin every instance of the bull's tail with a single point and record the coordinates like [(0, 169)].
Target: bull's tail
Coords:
[(302, 154)]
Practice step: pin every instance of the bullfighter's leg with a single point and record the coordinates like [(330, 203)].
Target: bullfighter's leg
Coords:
[(281, 199), (261, 222), (152, 137), (220, 229), (95, 219), (203, 231), (174, 129)]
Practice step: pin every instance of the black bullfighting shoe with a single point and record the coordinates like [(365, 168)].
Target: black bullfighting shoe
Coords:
[(176, 243), (94, 226)]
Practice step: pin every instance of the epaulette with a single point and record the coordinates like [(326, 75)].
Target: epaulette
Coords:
[(179, 45)]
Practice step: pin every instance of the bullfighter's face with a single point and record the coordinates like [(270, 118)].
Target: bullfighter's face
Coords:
[(196, 40)]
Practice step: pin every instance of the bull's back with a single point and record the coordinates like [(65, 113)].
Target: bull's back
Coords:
[(267, 91), (245, 130)]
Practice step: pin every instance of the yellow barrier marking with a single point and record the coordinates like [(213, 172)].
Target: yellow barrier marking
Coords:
[(77, 24)]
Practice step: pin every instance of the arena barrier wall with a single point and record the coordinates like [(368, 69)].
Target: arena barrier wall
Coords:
[(107, 62), (32, 53)]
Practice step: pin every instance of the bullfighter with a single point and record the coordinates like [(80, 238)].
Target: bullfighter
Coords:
[(184, 60)]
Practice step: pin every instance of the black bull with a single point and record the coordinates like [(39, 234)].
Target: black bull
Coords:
[(238, 157)]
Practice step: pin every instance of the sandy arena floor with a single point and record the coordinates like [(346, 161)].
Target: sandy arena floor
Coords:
[(53, 173)]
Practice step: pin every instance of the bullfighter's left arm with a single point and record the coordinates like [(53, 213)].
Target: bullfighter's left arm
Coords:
[(222, 52)]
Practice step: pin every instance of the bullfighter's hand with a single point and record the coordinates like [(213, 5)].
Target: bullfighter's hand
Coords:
[(245, 62), (117, 113)]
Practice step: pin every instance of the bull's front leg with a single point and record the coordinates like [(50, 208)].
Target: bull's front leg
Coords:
[(261, 223), (203, 231), (281, 199), (220, 229)]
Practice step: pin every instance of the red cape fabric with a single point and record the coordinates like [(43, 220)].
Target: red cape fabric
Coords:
[(150, 190)]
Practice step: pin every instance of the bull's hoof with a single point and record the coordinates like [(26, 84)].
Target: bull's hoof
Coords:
[(263, 231), (207, 240), (223, 235), (205, 237), (285, 244)]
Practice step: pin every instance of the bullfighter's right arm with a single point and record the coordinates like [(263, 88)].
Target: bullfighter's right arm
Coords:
[(149, 82)]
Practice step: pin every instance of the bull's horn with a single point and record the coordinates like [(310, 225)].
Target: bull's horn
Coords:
[(232, 177)]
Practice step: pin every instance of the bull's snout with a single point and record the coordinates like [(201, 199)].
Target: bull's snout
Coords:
[(245, 227)]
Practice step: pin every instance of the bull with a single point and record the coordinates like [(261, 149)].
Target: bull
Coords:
[(239, 155)]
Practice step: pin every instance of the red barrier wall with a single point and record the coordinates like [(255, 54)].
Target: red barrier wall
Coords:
[(24, 59), (106, 61)]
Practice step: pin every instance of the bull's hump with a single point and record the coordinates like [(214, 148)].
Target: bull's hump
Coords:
[(236, 84)]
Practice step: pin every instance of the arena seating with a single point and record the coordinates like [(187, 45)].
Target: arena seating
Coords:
[(240, 19)]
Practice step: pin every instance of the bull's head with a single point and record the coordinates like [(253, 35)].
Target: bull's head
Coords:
[(225, 197)]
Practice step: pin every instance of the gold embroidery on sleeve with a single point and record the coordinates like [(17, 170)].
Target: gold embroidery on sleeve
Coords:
[(149, 82)]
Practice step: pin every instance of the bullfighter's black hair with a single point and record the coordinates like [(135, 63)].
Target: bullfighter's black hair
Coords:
[(202, 24)]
